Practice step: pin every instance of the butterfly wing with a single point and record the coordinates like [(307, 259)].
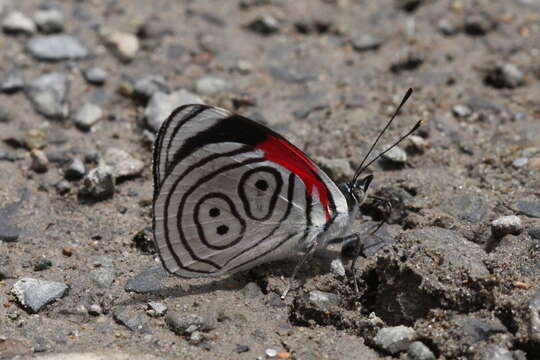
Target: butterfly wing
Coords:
[(231, 193)]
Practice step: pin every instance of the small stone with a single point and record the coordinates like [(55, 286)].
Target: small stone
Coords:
[(76, 170), (461, 111), (418, 351), (478, 24), (95, 75), (210, 85), (161, 105), (251, 291), (63, 187), (506, 76), (196, 338), (467, 207), (104, 273), (418, 143), (40, 163), (12, 82), (48, 95), (264, 25), (134, 321), (99, 182), (271, 353), (338, 169), (35, 139), (42, 264), (274, 300), (5, 115), (520, 162), (506, 225), (16, 22), (396, 155), (87, 116), (323, 301), (534, 232), (337, 268), (146, 281), (35, 294), (366, 42), (67, 251), (495, 352), (123, 164), (56, 48), (534, 318), (156, 309), (95, 310), (149, 85), (49, 20), (446, 27), (395, 339), (528, 208), (124, 45), (241, 348), (185, 324), (244, 67)]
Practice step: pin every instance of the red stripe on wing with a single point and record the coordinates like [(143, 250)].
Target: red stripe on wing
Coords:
[(283, 153)]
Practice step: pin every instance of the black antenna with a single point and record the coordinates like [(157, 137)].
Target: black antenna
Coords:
[(361, 167)]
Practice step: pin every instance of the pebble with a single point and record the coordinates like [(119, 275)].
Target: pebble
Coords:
[(12, 82), (244, 67), (271, 353), (35, 139), (185, 324), (534, 232), (87, 116), (264, 25), (461, 111), (396, 155), (48, 95), (338, 169), (337, 268), (42, 264), (366, 42), (529, 208), (95, 75), (251, 290), (56, 48), (534, 317), (63, 187), (123, 164), (16, 22), (520, 162), (495, 352), (95, 310), (323, 301), (134, 321), (67, 251), (210, 85), (506, 225), (478, 24), (99, 183), (467, 207), (40, 163), (49, 20), (104, 273), (473, 329), (35, 294), (418, 351), (418, 143), (5, 115), (161, 105), (242, 348), (76, 170), (124, 45), (506, 76), (395, 339), (149, 85), (146, 281), (156, 309), (447, 27)]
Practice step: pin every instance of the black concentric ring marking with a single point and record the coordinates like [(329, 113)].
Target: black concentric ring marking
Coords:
[(242, 191), (222, 229)]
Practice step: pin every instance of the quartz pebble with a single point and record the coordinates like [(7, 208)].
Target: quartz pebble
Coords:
[(506, 225), (16, 22)]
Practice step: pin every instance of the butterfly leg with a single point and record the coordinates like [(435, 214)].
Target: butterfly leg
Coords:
[(307, 255)]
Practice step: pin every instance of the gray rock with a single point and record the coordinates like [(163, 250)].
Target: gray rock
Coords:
[(185, 324), (338, 169), (146, 281), (366, 42), (418, 351), (534, 318), (156, 309), (251, 291), (123, 45), (479, 23), (95, 75), (88, 115), (474, 330), (48, 95), (123, 164), (506, 225), (49, 20), (264, 25), (56, 48), (395, 339), (505, 76), (104, 273), (99, 182), (529, 208), (210, 85), (396, 155), (12, 82), (76, 170), (16, 22), (149, 85), (323, 301), (461, 110), (161, 105), (134, 321), (467, 207), (34, 294)]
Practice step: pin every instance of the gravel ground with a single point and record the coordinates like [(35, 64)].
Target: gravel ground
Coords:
[(454, 275)]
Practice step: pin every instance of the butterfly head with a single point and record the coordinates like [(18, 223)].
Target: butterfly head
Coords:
[(356, 192)]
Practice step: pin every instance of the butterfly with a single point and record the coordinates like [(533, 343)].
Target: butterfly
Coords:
[(230, 194)]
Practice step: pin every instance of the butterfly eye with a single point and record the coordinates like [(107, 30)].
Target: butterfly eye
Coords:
[(364, 183)]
